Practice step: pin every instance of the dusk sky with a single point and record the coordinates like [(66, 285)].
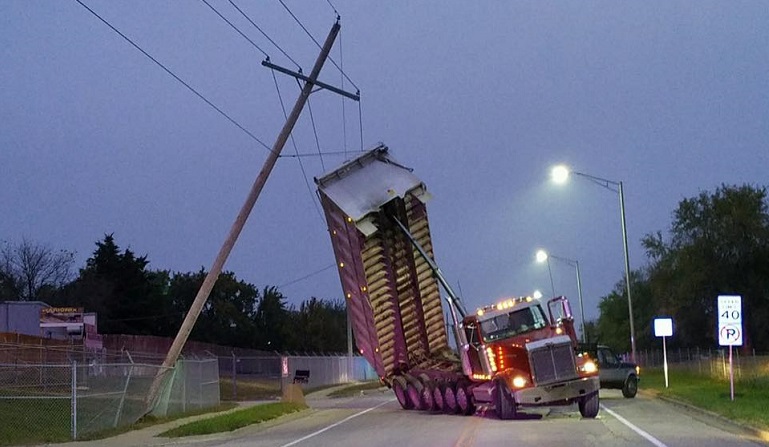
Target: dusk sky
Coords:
[(481, 99)]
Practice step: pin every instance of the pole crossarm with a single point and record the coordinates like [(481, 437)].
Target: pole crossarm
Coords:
[(296, 74), (605, 183)]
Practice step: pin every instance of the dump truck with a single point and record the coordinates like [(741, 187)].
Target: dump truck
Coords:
[(516, 352)]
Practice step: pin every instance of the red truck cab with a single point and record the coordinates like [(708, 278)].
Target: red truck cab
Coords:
[(519, 355)]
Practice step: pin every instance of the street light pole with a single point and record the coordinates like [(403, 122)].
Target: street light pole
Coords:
[(546, 256), (549, 271), (560, 174), (542, 256), (581, 307), (627, 270)]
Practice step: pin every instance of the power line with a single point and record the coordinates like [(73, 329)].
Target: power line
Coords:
[(312, 154), (294, 281), (344, 115), (360, 124), (315, 131), (167, 70), (236, 29), (265, 35), (332, 7), (317, 43), (296, 151)]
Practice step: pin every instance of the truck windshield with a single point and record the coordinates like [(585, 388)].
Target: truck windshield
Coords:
[(513, 323)]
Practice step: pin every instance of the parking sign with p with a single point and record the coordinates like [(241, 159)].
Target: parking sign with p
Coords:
[(730, 320)]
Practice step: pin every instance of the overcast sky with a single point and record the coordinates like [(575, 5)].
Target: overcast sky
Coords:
[(481, 99)]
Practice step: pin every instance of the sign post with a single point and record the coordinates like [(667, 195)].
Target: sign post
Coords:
[(730, 328), (663, 327)]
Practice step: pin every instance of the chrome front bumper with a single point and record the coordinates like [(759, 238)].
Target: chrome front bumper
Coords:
[(557, 393)]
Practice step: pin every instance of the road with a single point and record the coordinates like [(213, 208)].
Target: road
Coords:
[(377, 420)]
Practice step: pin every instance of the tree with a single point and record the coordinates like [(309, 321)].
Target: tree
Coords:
[(272, 320), (719, 244), (613, 325), (227, 318), (319, 326), (27, 269), (118, 286)]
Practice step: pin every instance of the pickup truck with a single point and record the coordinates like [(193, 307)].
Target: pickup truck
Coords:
[(614, 373)]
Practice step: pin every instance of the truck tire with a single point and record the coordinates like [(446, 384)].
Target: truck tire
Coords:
[(427, 396), (504, 403), (630, 387), (449, 399), (438, 403), (464, 400), (399, 387), (588, 406), (414, 392)]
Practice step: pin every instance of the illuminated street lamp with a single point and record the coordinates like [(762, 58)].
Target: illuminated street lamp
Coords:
[(537, 294), (560, 174), (542, 255)]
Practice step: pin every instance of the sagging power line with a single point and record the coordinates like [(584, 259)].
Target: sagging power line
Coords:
[(172, 74)]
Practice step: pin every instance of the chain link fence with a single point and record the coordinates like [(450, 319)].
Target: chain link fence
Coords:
[(711, 362), (56, 403), (253, 378)]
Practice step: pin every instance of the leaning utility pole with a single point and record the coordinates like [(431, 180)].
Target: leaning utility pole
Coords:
[(237, 226)]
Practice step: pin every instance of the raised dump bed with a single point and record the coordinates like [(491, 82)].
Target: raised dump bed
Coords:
[(517, 352), (391, 293)]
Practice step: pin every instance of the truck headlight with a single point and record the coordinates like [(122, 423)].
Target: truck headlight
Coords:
[(519, 382), (589, 367), (638, 370)]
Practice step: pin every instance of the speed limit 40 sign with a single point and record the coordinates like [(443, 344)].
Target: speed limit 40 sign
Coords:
[(730, 320)]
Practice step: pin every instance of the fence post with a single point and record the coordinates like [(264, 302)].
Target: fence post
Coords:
[(122, 397), (73, 410), (234, 377)]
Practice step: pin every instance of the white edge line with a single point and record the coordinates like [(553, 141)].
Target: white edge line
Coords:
[(648, 437), (340, 423)]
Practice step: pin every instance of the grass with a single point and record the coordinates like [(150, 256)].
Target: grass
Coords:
[(249, 389), (149, 421), (234, 420), (45, 420), (354, 390), (34, 421), (750, 395)]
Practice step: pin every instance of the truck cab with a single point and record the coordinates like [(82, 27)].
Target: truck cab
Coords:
[(522, 355)]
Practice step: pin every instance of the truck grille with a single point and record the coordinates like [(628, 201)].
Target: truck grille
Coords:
[(552, 362)]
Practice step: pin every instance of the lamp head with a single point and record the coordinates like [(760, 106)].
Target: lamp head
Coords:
[(560, 174), (541, 256)]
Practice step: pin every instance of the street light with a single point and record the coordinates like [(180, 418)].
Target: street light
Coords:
[(543, 255), (537, 294), (560, 174)]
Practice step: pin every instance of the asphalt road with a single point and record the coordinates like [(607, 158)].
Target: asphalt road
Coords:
[(377, 420)]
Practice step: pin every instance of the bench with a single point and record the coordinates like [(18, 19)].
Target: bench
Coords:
[(301, 376)]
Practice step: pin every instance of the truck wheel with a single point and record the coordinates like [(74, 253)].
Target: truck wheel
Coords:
[(399, 387), (588, 406), (438, 403), (414, 392), (630, 388), (465, 403), (503, 402), (427, 397), (449, 399)]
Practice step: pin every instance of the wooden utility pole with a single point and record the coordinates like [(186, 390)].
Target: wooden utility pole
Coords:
[(237, 226)]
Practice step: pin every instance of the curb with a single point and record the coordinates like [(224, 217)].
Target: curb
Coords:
[(761, 434)]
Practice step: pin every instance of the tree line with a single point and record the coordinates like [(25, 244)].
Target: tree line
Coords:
[(717, 244), (130, 298)]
